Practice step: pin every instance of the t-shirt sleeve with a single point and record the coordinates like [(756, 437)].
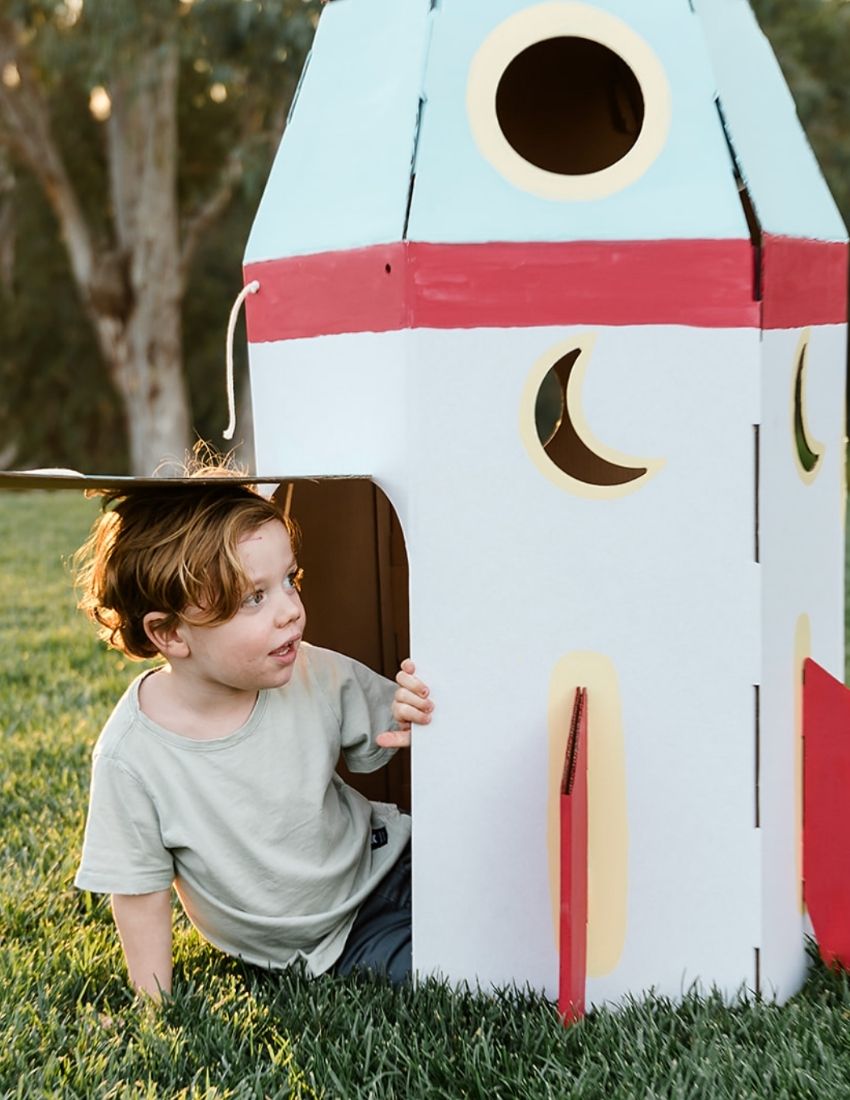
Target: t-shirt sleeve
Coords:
[(362, 701), (123, 851)]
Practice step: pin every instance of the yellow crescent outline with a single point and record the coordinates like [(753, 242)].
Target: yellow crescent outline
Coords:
[(566, 19), (798, 408), (573, 409)]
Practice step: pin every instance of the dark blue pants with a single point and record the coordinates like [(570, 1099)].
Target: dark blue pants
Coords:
[(380, 938)]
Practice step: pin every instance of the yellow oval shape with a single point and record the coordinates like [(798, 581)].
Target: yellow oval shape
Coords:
[(607, 821)]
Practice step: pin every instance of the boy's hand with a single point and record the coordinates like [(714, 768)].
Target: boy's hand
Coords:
[(411, 704)]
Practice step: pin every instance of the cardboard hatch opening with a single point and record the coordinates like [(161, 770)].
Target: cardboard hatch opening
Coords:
[(355, 592), (355, 574)]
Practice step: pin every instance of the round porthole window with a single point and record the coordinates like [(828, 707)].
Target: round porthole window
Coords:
[(568, 102)]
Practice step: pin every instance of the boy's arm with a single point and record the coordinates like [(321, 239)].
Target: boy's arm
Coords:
[(144, 925)]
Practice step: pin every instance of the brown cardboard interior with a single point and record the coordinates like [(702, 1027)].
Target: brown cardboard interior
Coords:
[(356, 591)]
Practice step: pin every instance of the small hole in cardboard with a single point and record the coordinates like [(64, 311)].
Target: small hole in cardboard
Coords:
[(561, 438), (570, 105), (388, 268)]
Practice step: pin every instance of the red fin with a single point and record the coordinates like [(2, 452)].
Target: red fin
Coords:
[(826, 811)]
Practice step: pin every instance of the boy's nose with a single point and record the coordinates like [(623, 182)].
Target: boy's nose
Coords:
[(286, 610)]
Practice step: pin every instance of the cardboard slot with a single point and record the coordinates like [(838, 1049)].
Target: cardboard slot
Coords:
[(756, 490), (573, 916), (747, 205), (757, 972), (570, 757), (570, 105), (757, 767), (356, 592), (557, 430), (755, 235), (411, 188)]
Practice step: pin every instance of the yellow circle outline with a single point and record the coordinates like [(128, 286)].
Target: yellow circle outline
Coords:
[(566, 18)]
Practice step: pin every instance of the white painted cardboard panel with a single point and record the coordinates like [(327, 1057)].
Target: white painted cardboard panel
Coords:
[(507, 577), (802, 540), (509, 573), (342, 173), (688, 192), (788, 190), (334, 405)]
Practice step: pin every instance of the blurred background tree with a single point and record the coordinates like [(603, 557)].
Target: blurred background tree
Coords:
[(135, 138), (811, 39)]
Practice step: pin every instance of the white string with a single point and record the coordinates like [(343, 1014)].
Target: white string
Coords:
[(249, 288)]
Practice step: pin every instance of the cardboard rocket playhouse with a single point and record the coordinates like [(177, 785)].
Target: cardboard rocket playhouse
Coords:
[(455, 306), (549, 341), (564, 281)]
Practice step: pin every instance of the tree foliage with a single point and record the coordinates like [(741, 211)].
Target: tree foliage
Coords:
[(197, 94), (237, 63), (811, 39)]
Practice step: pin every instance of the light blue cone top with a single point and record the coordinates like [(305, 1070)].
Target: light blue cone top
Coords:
[(380, 145), (341, 176)]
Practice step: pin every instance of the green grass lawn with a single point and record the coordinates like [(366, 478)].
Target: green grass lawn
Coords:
[(70, 1028)]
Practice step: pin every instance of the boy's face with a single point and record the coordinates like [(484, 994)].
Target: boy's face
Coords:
[(257, 648)]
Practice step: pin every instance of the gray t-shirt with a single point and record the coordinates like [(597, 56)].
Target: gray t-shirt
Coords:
[(269, 850)]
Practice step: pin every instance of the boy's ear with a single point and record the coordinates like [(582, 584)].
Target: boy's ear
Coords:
[(167, 639)]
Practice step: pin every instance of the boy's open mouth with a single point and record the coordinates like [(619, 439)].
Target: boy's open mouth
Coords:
[(282, 650)]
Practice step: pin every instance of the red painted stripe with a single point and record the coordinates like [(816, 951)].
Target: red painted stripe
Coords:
[(706, 284), (703, 283), (361, 290), (803, 282)]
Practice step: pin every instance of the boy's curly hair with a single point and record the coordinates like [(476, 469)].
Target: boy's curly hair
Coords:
[(172, 549)]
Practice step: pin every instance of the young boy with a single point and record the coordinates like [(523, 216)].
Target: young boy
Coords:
[(215, 771)]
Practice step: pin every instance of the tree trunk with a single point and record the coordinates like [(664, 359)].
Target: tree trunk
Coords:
[(143, 345), (132, 291), (131, 286), (142, 359)]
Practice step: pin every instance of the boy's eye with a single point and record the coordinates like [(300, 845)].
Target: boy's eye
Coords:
[(255, 599), (294, 579)]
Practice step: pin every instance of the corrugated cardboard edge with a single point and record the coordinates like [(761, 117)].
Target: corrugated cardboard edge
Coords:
[(72, 479)]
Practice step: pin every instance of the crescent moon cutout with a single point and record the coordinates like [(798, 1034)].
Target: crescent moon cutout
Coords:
[(807, 451), (558, 436)]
